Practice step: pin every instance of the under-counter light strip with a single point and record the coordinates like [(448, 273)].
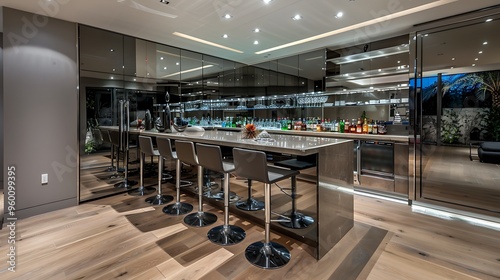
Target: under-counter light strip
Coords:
[(205, 42), (360, 25), (452, 216)]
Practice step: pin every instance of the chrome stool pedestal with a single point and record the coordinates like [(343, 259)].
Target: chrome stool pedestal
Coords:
[(178, 208), (250, 204)]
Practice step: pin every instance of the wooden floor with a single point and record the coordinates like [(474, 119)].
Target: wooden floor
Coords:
[(123, 237), (450, 176)]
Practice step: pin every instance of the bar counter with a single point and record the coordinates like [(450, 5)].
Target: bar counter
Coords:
[(334, 181)]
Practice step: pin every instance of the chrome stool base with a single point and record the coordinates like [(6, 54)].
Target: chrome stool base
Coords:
[(125, 184), (232, 196), (226, 235), (296, 220), (267, 255), (159, 199), (142, 191), (178, 208), (200, 219), (250, 204)]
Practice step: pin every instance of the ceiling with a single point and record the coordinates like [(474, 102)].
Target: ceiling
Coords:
[(362, 21)]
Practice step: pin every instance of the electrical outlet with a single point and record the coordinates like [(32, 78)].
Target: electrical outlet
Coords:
[(45, 179)]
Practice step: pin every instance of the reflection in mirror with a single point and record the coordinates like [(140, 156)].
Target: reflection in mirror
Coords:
[(457, 90)]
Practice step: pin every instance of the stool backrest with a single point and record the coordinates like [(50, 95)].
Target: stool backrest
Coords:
[(146, 145), (185, 152), (251, 164), (97, 135), (210, 157), (105, 136), (165, 148), (114, 137)]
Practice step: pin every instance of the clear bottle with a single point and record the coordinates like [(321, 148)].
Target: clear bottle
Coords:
[(375, 127)]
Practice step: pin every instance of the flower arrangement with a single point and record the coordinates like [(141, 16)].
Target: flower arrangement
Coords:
[(249, 131)]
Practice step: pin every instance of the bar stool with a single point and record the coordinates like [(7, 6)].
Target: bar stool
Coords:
[(106, 138), (177, 208), (186, 153), (253, 165), (146, 149), (146, 144), (114, 136), (210, 157), (295, 219)]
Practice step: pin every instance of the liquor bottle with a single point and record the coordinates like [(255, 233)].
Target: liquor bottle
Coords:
[(375, 127), (353, 126), (370, 127), (289, 125), (347, 126), (365, 126), (342, 126), (359, 126), (304, 124)]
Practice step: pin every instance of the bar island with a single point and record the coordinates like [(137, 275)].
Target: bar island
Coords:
[(332, 209)]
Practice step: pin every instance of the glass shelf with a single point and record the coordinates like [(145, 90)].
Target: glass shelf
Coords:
[(403, 48)]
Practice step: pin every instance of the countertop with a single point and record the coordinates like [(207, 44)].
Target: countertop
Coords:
[(281, 143), (353, 136)]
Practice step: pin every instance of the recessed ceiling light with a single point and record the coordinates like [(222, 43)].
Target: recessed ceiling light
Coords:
[(297, 17), (161, 58), (480, 52), (485, 43), (476, 59), (165, 68), (473, 64), (256, 30), (255, 42), (177, 63), (452, 58), (224, 36), (339, 15), (336, 31), (111, 50), (266, 1), (488, 20), (227, 16)]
